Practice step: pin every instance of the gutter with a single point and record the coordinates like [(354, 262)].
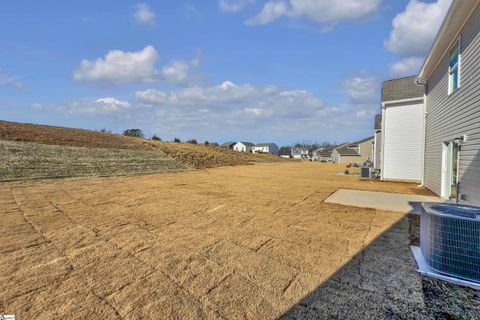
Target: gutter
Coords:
[(385, 103)]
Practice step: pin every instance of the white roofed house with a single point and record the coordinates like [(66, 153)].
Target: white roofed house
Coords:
[(243, 146), (271, 148)]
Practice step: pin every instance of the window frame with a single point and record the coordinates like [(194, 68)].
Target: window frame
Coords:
[(456, 68)]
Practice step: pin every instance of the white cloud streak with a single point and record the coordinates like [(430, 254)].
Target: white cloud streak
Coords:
[(233, 6), (323, 12), (9, 80), (144, 15)]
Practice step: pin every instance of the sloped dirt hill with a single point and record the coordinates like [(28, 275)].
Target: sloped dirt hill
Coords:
[(24, 161), (190, 155), (42, 134), (200, 156)]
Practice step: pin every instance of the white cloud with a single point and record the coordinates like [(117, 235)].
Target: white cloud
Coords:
[(234, 5), (9, 80), (325, 11), (178, 71), (144, 15), (413, 33), (227, 92), (362, 89), (112, 104), (119, 67), (363, 95), (406, 67), (101, 107)]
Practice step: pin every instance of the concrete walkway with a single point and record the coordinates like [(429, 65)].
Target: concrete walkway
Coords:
[(404, 203)]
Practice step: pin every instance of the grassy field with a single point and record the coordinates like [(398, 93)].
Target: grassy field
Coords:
[(233, 242)]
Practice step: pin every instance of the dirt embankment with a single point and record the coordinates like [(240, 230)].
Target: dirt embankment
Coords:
[(30, 151)]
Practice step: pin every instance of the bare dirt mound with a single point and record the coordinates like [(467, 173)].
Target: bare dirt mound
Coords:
[(27, 132), (30, 151), (201, 156), (26, 161)]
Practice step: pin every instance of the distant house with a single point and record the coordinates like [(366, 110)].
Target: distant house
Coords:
[(228, 145), (364, 148), (314, 154), (451, 78), (402, 134), (243, 146), (325, 155), (357, 152), (345, 155), (301, 152), (271, 148), (285, 152)]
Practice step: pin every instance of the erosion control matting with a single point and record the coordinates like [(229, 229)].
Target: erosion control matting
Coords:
[(255, 242)]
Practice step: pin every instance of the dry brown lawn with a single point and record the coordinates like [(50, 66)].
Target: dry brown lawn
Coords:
[(232, 242)]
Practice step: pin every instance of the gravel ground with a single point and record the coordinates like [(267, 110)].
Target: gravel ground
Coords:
[(254, 242)]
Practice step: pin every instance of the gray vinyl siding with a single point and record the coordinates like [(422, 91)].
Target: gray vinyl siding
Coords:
[(452, 116)]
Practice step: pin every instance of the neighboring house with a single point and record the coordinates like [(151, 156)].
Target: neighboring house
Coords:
[(315, 154), (271, 148), (364, 148), (377, 143), (325, 155), (452, 125), (403, 114), (243, 146), (285, 152), (358, 152), (296, 153), (228, 145), (301, 152), (345, 156)]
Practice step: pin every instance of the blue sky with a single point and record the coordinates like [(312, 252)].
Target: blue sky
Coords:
[(271, 70)]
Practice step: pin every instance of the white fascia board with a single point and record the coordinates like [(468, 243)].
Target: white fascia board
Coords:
[(385, 103)]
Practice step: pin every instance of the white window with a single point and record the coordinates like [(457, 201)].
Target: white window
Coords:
[(454, 68)]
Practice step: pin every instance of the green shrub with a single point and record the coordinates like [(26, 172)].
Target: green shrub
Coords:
[(154, 137), (177, 140), (346, 171), (192, 141), (133, 133)]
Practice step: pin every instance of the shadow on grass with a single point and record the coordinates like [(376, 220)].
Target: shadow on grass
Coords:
[(380, 282)]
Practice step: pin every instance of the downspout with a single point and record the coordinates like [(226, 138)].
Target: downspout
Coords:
[(424, 139)]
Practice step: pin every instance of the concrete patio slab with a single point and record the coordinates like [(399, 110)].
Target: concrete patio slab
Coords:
[(403, 203)]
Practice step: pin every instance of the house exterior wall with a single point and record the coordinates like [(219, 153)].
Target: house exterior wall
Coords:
[(365, 150), (241, 147), (402, 138), (350, 159), (335, 156), (272, 149), (451, 116)]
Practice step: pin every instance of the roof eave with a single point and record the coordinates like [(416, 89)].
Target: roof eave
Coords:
[(452, 25)]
